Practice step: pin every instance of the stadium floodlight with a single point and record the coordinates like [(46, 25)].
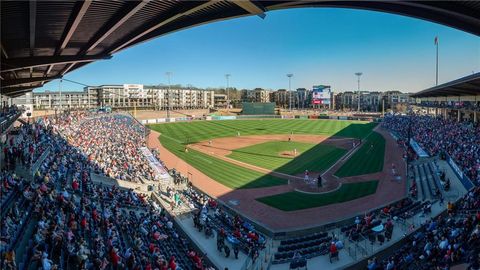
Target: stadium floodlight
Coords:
[(290, 75), (60, 94), (227, 76), (358, 89), (168, 73)]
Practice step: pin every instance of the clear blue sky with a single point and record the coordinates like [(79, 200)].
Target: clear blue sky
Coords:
[(317, 45)]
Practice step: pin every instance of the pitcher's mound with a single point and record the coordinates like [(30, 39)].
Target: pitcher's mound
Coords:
[(290, 154)]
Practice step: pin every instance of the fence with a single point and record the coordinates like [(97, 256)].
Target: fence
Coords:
[(263, 261), (258, 108), (246, 117)]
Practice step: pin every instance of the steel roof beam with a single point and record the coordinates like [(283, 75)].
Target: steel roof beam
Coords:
[(72, 26), (66, 69), (13, 90), (33, 20), (163, 22), (105, 32), (4, 52), (5, 55), (19, 94), (16, 82), (463, 91), (70, 30), (23, 63), (251, 8), (113, 25)]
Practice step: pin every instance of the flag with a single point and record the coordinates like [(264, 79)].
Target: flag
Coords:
[(436, 40)]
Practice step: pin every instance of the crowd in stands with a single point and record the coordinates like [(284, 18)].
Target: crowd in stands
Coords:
[(461, 140), (364, 227), (233, 233), (8, 115), (60, 219), (111, 143), (26, 144), (449, 239), (6, 111)]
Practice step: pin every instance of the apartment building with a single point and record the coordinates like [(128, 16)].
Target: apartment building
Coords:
[(255, 95), (371, 100), (220, 100), (121, 96)]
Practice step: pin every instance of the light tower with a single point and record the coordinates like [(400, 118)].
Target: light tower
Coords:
[(168, 73), (358, 89), (227, 76), (60, 94), (290, 75)]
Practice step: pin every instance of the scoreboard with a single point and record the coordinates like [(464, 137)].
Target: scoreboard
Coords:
[(321, 95)]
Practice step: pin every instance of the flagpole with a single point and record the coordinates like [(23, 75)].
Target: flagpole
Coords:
[(436, 66)]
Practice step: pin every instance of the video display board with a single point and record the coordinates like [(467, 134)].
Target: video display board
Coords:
[(321, 95)]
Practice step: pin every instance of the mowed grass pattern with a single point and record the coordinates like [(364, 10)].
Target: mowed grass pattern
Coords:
[(224, 172), (315, 158), (292, 201), (176, 135), (368, 159)]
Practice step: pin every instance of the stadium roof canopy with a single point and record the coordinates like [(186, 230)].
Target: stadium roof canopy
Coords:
[(43, 40), (466, 86)]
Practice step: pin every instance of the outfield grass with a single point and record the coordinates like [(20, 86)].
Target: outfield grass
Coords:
[(312, 157), (176, 135), (292, 201), (191, 132), (367, 159)]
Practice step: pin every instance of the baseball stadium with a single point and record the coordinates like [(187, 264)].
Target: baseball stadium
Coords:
[(129, 177)]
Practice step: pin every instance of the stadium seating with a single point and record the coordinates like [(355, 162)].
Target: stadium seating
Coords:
[(8, 115), (449, 239), (308, 246), (59, 217), (460, 140), (221, 220)]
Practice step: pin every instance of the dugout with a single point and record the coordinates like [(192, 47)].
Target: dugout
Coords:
[(258, 108)]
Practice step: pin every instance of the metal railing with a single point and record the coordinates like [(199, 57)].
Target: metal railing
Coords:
[(263, 261), (8, 121)]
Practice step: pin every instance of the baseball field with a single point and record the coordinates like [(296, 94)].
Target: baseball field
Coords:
[(267, 168), (226, 164)]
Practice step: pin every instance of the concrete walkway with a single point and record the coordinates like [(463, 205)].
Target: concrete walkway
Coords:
[(354, 252), (209, 246)]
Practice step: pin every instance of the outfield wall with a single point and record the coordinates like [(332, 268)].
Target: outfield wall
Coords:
[(246, 117)]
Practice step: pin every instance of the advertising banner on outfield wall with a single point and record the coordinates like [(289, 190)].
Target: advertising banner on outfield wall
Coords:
[(227, 117)]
